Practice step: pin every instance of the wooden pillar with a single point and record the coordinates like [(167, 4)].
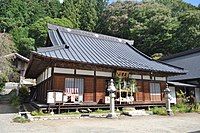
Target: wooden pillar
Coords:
[(52, 77), (74, 76), (143, 88), (95, 86)]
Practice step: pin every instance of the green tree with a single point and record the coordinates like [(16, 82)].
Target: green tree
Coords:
[(38, 30), (187, 35), (101, 6), (88, 15), (23, 43), (17, 13), (70, 10), (12, 14), (51, 7), (114, 19), (35, 10), (152, 27), (176, 6), (6, 47)]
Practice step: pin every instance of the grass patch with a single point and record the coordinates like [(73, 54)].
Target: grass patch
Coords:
[(71, 113), (37, 113), (100, 111), (159, 110), (21, 119), (178, 108)]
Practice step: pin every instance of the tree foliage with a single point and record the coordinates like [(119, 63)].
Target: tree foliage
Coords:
[(114, 19), (187, 35), (23, 43), (70, 10), (38, 30), (88, 15), (82, 13), (156, 26), (152, 26), (6, 47)]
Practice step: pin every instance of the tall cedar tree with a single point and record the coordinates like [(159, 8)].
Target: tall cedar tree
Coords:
[(88, 15)]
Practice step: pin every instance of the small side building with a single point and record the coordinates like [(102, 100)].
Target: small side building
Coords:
[(20, 64), (190, 82), (80, 64)]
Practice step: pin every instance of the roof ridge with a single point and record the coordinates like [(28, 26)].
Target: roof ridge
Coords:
[(90, 34), (139, 52), (16, 54), (52, 48), (183, 53)]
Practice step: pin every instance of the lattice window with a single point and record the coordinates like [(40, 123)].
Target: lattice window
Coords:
[(155, 93), (74, 89)]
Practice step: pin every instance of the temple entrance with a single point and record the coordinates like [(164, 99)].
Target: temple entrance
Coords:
[(125, 88)]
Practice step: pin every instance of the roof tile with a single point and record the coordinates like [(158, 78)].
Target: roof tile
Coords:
[(99, 49)]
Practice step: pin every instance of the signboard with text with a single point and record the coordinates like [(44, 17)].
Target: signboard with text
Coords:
[(54, 97), (122, 74)]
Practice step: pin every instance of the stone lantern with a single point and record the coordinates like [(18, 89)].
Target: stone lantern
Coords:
[(112, 89), (168, 99)]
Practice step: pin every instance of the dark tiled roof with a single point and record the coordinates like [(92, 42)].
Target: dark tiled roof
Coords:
[(189, 60), (16, 55), (184, 53), (88, 47)]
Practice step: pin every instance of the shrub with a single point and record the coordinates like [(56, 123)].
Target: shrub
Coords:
[(159, 110), (21, 119), (23, 94), (14, 101), (181, 97), (183, 108), (197, 107)]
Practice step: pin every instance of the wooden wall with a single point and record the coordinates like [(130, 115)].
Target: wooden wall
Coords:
[(94, 92), (143, 93), (59, 82), (146, 88), (162, 87), (88, 89), (139, 93), (91, 94), (42, 90), (100, 90)]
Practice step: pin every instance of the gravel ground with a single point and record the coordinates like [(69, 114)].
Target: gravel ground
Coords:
[(181, 123)]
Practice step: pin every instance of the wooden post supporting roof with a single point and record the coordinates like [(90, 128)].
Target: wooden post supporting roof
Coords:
[(95, 86), (52, 77)]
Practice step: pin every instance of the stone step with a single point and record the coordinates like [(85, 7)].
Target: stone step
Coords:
[(134, 112)]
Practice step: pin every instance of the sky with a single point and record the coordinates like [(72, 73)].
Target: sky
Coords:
[(193, 2)]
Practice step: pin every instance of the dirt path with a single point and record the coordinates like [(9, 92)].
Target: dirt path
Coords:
[(154, 124)]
